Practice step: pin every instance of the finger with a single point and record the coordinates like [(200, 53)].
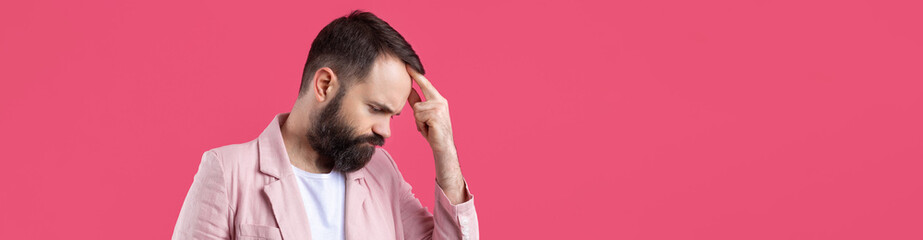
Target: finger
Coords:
[(413, 98), (425, 106), (423, 120), (428, 118), (421, 126), (428, 90)]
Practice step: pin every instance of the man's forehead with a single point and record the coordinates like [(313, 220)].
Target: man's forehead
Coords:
[(388, 82), (390, 70)]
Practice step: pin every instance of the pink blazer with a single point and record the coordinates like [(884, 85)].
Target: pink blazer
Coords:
[(249, 191)]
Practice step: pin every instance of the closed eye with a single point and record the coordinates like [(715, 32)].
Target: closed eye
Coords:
[(376, 108)]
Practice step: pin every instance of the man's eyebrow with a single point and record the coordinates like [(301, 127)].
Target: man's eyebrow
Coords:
[(385, 108)]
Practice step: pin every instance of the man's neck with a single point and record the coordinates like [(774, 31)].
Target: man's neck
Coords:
[(299, 151)]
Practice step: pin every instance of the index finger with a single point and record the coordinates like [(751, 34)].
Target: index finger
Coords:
[(428, 90)]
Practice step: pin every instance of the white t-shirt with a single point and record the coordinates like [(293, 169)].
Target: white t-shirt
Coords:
[(324, 197)]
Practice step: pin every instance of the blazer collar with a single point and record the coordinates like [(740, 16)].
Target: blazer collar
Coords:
[(285, 197), (273, 157)]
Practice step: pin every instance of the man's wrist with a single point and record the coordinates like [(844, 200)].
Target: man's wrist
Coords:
[(454, 189), (448, 171), (448, 174)]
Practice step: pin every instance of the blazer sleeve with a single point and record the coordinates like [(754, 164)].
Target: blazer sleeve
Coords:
[(448, 221), (205, 211)]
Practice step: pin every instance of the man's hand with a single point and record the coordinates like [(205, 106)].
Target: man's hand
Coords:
[(432, 117)]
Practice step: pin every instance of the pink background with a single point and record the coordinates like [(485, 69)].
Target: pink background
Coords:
[(575, 120)]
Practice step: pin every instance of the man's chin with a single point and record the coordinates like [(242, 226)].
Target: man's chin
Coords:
[(353, 167), (359, 162)]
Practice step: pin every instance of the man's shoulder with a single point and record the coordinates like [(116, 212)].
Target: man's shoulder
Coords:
[(381, 161), (235, 153), (382, 166)]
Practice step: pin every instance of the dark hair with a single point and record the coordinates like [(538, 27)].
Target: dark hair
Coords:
[(349, 46)]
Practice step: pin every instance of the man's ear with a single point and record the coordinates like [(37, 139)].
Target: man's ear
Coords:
[(325, 83)]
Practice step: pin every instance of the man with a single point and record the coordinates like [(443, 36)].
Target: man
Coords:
[(315, 173)]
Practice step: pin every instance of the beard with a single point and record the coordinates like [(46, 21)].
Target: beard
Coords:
[(336, 145)]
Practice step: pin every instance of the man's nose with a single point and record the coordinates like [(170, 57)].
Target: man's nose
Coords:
[(383, 128)]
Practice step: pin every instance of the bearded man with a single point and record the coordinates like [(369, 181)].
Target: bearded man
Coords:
[(319, 172)]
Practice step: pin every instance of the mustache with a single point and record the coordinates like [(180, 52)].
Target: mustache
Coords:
[(374, 139)]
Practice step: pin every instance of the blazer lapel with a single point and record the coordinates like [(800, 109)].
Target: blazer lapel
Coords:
[(283, 193), (357, 195), (288, 208)]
